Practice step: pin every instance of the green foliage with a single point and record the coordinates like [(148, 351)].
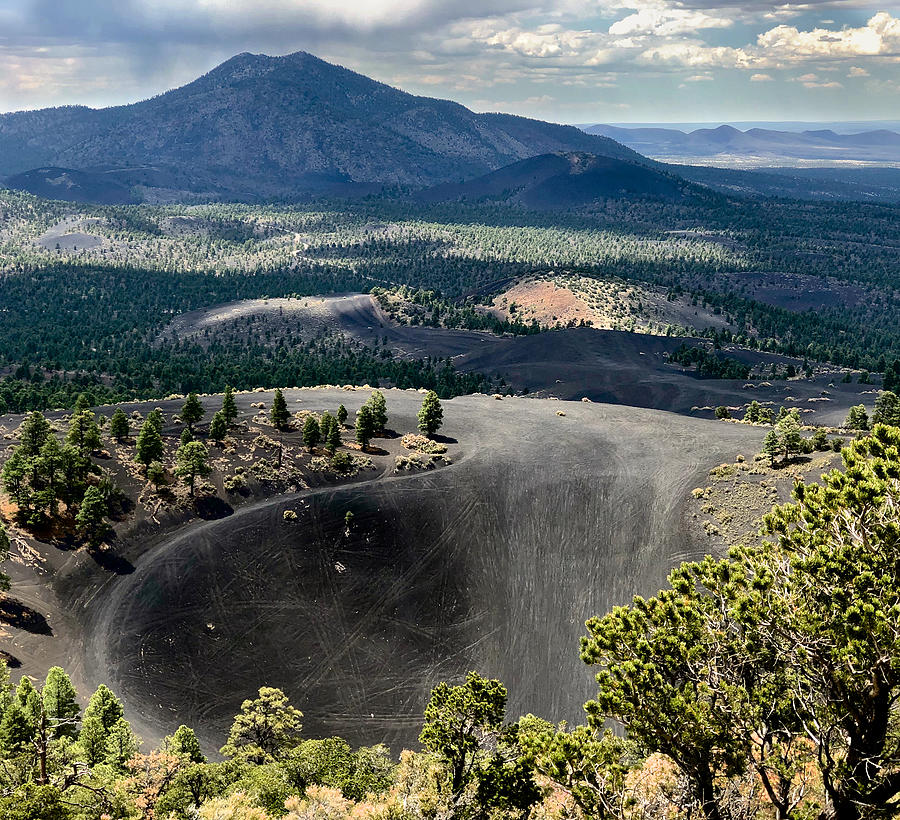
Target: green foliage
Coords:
[(722, 412), (60, 702), (311, 432), (192, 411), (365, 426), (119, 427), (265, 728), (191, 461), (280, 415), (710, 365), (378, 406), (342, 415), (229, 407), (156, 474), (149, 445), (857, 418), (887, 409), (484, 763), (91, 517), (218, 427), (84, 434), (33, 434), (753, 413), (431, 414), (184, 745), (34, 802)]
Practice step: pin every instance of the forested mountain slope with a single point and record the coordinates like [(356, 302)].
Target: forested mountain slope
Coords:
[(259, 126)]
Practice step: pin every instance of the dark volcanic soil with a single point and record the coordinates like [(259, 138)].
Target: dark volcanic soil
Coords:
[(492, 563), (603, 365)]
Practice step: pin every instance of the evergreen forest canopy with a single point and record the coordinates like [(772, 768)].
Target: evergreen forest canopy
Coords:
[(762, 684), (76, 319)]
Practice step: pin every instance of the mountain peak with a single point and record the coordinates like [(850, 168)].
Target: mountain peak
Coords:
[(259, 126)]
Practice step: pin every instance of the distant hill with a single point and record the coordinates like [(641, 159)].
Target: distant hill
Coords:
[(73, 186), (262, 127), (566, 180), (727, 145)]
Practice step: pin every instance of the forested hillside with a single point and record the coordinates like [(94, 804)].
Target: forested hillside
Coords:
[(815, 281)]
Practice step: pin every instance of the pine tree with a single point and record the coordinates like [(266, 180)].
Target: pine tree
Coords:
[(155, 417), (90, 520), (378, 406), (183, 744), (191, 411), (186, 437), (772, 445), (84, 434), (82, 403), (789, 434), (887, 409), (325, 423), (60, 703), (365, 426), (311, 432), (857, 418), (119, 428), (149, 445), (16, 731), (104, 710), (33, 433), (334, 436), (279, 413), (431, 414), (218, 427), (121, 745), (190, 462), (752, 414), (156, 474), (264, 727), (229, 407), (342, 415)]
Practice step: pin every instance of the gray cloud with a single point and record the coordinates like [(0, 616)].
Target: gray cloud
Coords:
[(558, 59)]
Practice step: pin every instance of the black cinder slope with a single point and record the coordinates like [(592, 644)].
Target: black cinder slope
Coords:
[(260, 126), (568, 180)]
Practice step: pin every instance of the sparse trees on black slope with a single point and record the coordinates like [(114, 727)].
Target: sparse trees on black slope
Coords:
[(431, 414), (378, 405), (191, 411), (191, 462), (91, 517), (311, 432), (149, 445), (280, 415), (218, 427), (365, 426), (119, 427), (84, 434), (229, 407)]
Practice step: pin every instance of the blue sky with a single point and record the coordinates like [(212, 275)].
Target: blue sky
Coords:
[(567, 61)]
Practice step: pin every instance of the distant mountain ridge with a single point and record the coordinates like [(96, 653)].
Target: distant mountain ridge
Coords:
[(263, 127), (757, 145)]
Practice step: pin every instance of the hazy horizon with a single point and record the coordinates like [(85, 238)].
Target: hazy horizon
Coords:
[(636, 61)]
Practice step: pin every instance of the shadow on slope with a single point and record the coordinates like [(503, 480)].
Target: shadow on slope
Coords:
[(493, 563)]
